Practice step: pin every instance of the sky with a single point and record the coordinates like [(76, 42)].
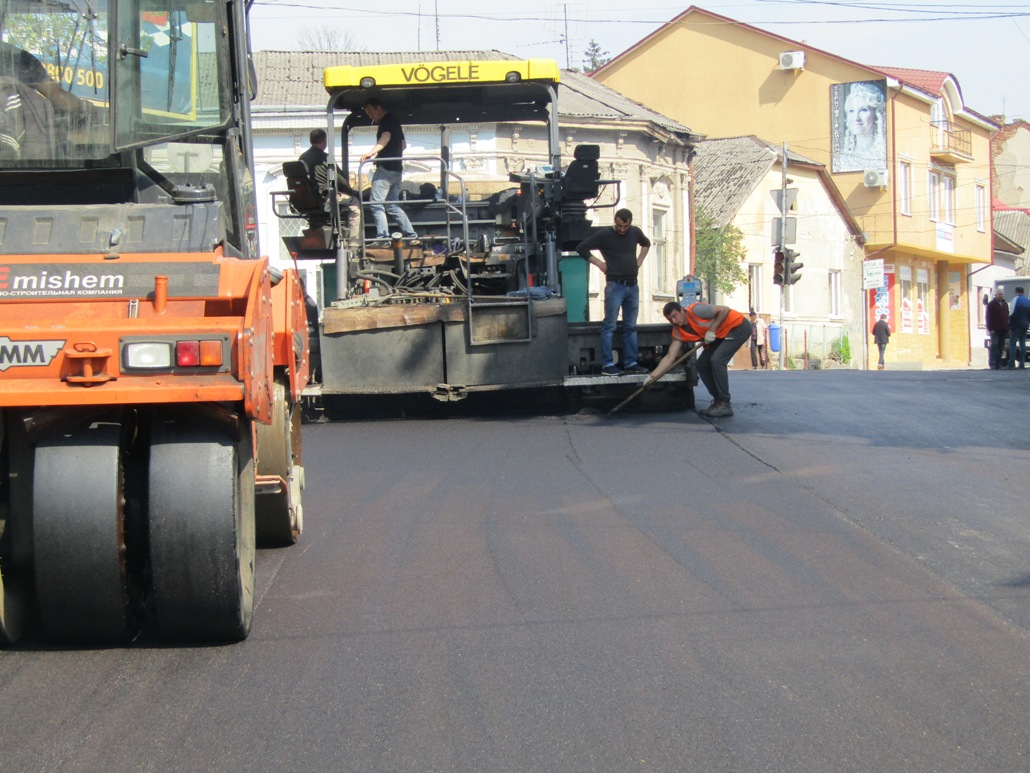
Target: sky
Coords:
[(985, 45)]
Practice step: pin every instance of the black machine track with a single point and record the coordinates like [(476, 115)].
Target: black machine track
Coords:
[(202, 541)]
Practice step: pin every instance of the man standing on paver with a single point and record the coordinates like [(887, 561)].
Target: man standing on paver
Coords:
[(618, 246)]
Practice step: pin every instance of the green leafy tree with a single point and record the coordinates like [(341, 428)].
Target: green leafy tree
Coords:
[(720, 257), (594, 57)]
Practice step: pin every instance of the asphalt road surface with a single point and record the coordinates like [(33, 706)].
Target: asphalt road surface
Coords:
[(835, 579)]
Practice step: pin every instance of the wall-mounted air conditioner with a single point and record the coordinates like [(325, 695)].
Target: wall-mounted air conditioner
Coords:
[(875, 178), (792, 60)]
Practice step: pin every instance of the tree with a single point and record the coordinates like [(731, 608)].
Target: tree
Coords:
[(720, 256), (326, 39), (594, 57)]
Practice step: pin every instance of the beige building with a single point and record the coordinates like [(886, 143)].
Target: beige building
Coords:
[(1010, 172), (911, 160)]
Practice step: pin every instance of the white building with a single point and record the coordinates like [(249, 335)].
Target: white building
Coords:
[(739, 182)]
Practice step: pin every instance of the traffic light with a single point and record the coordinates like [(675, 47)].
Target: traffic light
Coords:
[(779, 267), (792, 270), (786, 268)]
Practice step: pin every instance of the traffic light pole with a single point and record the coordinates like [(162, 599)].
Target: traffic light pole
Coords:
[(782, 245)]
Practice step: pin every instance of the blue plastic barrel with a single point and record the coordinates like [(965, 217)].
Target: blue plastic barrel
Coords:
[(774, 337)]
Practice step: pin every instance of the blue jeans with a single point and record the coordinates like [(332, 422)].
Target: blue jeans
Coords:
[(1017, 335), (627, 298), (386, 186)]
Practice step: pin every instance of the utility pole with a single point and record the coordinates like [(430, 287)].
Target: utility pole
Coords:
[(565, 39)]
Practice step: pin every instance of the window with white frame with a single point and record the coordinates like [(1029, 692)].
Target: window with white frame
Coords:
[(905, 187), (948, 198), (933, 194), (835, 294), (658, 254), (982, 293), (923, 301), (981, 207), (754, 290)]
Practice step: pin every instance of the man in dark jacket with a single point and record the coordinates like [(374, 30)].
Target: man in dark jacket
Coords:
[(882, 337), (998, 327), (1019, 321)]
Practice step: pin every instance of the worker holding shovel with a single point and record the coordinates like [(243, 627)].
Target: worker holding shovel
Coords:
[(722, 331)]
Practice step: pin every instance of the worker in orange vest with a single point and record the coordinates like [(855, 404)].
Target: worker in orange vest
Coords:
[(722, 331)]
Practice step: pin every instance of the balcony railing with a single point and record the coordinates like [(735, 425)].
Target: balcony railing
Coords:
[(948, 140)]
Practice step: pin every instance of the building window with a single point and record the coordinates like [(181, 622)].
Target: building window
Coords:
[(933, 195), (948, 198), (788, 299), (905, 187), (835, 294), (905, 298), (923, 301), (984, 294), (658, 254), (754, 289), (981, 207)]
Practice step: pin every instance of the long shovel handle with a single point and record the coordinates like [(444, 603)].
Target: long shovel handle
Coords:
[(679, 360)]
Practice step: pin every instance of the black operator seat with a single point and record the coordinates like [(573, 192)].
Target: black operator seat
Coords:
[(582, 178), (305, 198)]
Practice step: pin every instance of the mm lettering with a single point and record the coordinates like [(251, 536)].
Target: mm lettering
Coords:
[(36, 354), (441, 73)]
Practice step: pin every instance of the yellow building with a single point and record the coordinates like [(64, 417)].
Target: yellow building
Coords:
[(909, 158)]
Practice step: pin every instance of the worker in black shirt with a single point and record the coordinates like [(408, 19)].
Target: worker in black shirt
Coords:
[(619, 261), (386, 181)]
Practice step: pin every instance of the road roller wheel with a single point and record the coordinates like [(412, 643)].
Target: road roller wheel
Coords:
[(202, 545), (12, 606), (279, 513), (79, 534), (12, 587)]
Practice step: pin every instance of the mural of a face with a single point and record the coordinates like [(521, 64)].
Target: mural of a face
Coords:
[(860, 114)]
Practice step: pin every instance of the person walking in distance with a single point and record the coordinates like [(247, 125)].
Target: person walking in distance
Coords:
[(1019, 321), (723, 331), (759, 336), (881, 336), (623, 248), (998, 326)]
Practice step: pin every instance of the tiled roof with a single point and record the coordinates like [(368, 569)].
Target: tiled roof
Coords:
[(294, 79), (726, 172), (1014, 225), (580, 96), (930, 81)]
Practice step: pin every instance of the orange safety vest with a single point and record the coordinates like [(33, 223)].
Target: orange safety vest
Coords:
[(683, 333)]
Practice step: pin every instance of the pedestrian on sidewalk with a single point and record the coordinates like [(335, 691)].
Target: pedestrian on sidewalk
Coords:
[(759, 339), (882, 337), (1019, 321), (998, 327)]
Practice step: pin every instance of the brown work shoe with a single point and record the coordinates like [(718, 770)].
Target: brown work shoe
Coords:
[(719, 410)]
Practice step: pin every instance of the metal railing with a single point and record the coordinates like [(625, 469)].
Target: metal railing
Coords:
[(948, 137)]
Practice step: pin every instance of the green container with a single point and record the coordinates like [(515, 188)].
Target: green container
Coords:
[(575, 287)]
